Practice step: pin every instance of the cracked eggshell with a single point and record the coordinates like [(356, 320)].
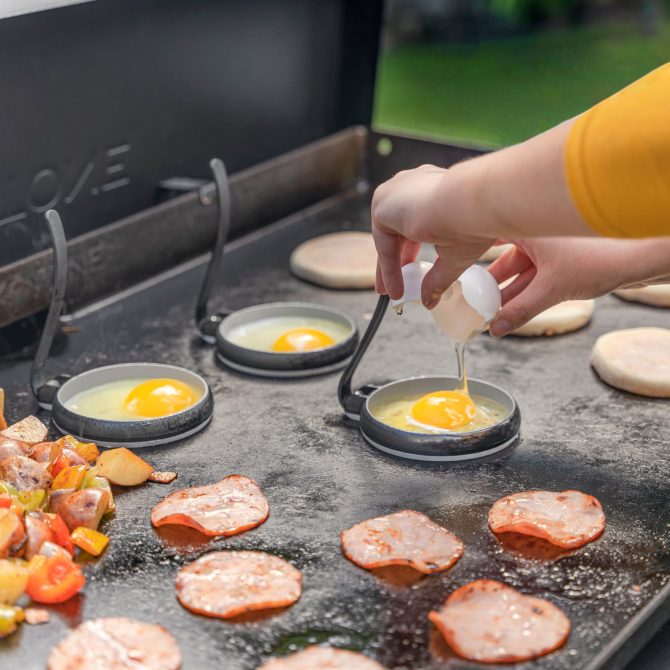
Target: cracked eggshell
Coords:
[(481, 291), (412, 276)]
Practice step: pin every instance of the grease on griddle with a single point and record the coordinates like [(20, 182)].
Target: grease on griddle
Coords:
[(352, 640)]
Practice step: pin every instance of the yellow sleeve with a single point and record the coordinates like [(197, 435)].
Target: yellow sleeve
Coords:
[(617, 160)]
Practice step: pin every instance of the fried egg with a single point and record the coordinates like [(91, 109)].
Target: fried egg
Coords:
[(302, 339), (441, 412), (134, 399), (289, 334)]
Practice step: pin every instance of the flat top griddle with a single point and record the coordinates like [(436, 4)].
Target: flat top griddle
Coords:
[(320, 477)]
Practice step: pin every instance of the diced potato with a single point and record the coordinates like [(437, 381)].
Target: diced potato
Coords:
[(30, 430), (35, 616), (70, 477), (90, 540), (102, 483), (121, 466), (87, 450), (13, 580), (49, 549), (10, 617), (12, 533), (162, 477), (80, 508)]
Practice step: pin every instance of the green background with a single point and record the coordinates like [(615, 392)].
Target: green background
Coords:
[(506, 90)]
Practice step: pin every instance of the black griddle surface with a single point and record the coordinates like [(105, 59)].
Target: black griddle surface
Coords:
[(320, 477)]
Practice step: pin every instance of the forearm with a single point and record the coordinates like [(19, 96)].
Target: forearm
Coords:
[(518, 192)]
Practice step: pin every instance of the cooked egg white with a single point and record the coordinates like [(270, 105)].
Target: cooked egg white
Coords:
[(134, 399), (289, 334), (441, 412)]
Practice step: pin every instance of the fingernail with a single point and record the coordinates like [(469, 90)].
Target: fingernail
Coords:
[(429, 304), (500, 328)]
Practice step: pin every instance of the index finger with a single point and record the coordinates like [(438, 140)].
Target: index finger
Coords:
[(389, 249)]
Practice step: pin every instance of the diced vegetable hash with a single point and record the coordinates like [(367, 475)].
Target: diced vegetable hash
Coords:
[(53, 497)]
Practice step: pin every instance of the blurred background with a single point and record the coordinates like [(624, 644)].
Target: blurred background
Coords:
[(494, 72)]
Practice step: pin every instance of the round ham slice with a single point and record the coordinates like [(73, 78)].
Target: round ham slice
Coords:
[(404, 538), (489, 622), (116, 644), (225, 584), (567, 519), (322, 658), (231, 506)]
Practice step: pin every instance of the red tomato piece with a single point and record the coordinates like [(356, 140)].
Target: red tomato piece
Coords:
[(55, 581), (61, 462), (61, 533)]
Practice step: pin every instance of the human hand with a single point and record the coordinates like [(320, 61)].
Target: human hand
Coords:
[(518, 192), (407, 211), (547, 271)]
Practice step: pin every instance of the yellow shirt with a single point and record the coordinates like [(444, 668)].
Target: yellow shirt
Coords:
[(617, 160)]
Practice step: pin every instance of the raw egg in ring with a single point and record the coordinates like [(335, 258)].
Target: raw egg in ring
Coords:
[(444, 409)]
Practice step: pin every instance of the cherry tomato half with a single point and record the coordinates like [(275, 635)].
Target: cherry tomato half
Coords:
[(56, 580)]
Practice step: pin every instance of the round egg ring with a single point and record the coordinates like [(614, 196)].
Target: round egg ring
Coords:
[(53, 393), (285, 364), (140, 433), (216, 328), (436, 447), (359, 406)]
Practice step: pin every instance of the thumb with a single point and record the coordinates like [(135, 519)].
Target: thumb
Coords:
[(451, 262), (438, 279), (521, 309)]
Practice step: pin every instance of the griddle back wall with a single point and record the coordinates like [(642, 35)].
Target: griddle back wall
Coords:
[(105, 99)]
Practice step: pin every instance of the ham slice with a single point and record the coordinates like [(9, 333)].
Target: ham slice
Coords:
[(231, 506), (404, 538), (116, 644), (567, 519), (322, 658), (225, 584), (489, 622)]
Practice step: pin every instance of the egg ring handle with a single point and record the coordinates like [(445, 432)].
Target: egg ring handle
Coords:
[(352, 401), (43, 388), (206, 322)]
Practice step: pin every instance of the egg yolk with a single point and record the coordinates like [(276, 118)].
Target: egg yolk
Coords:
[(159, 397), (444, 409), (302, 339)]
